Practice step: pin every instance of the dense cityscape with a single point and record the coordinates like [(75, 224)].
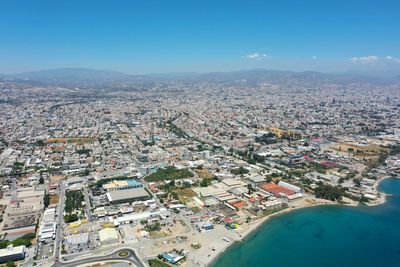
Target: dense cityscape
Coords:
[(170, 172)]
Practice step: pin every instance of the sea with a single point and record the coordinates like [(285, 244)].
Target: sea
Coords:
[(325, 236)]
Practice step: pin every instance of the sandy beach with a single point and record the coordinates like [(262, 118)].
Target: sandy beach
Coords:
[(214, 243), (205, 256)]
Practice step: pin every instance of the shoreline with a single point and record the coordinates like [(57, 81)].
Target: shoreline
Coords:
[(255, 225)]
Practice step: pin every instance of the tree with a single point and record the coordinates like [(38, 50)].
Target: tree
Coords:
[(363, 199), (71, 218), (186, 185), (4, 244), (350, 150), (153, 227), (10, 264), (329, 192), (357, 182), (250, 188), (251, 161), (86, 172), (175, 195), (239, 171), (204, 182), (41, 179), (46, 200)]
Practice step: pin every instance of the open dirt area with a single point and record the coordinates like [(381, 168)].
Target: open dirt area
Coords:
[(80, 140), (204, 173), (54, 199), (367, 150), (56, 178), (185, 195)]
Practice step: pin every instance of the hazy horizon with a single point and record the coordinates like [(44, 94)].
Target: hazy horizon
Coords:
[(186, 36), (387, 73)]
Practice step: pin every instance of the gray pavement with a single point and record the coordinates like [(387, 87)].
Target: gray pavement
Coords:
[(123, 254), (88, 204), (59, 234)]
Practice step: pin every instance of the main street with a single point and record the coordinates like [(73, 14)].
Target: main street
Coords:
[(60, 224), (87, 204)]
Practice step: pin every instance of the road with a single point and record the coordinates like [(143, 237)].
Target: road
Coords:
[(13, 188), (60, 226), (128, 255), (88, 205)]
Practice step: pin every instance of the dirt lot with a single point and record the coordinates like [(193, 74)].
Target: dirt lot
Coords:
[(54, 199), (80, 140), (56, 178), (204, 173), (177, 229), (363, 151), (185, 195)]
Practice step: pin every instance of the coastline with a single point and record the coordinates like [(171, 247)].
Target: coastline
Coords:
[(252, 227)]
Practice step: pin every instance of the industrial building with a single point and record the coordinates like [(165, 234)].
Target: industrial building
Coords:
[(48, 225), (121, 185), (128, 195), (162, 213)]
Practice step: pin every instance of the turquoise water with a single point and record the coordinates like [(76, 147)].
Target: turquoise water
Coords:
[(326, 236)]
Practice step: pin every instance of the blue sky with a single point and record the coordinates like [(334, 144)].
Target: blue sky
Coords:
[(176, 36)]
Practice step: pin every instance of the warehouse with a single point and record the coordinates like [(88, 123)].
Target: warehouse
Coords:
[(128, 195), (121, 185), (162, 214)]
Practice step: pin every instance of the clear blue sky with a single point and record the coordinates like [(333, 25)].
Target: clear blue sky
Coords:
[(174, 36)]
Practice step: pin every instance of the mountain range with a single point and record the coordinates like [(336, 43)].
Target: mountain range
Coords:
[(83, 77)]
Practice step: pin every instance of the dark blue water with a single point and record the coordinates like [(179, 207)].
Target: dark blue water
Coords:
[(326, 237)]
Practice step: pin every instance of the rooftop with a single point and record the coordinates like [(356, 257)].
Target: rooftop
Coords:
[(127, 194)]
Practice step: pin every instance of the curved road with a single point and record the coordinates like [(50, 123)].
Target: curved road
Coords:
[(130, 257)]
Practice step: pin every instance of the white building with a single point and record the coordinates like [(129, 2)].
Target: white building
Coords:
[(11, 253), (76, 241)]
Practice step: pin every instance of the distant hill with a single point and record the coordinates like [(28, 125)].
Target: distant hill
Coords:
[(81, 77), (72, 76), (282, 77)]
